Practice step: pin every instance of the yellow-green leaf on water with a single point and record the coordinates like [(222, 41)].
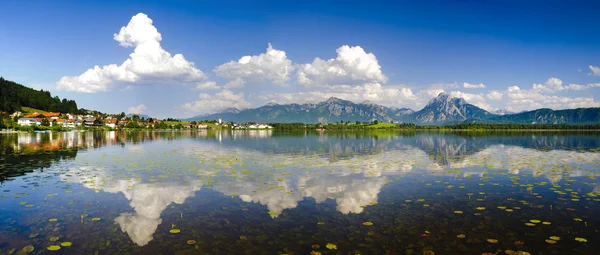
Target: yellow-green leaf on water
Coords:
[(191, 242), (22, 203), (53, 220), (535, 221), (368, 223), (174, 231), (66, 244), (546, 223), (555, 238), (28, 248), (320, 223), (53, 248), (581, 239), (331, 246), (54, 238), (273, 213), (96, 219)]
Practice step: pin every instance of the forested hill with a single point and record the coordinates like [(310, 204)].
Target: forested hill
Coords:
[(13, 96)]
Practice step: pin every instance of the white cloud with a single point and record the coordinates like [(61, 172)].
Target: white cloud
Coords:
[(373, 92), (351, 65), (273, 66), (467, 85), (149, 64), (595, 70), (219, 101), (137, 109), (495, 95), (552, 85), (208, 85), (519, 100), (478, 100), (582, 87)]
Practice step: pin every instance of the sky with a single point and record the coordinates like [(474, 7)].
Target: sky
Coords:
[(186, 58)]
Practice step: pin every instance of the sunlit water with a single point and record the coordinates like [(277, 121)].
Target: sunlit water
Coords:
[(263, 192)]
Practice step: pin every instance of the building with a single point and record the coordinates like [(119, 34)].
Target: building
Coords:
[(27, 121), (34, 115), (111, 123), (202, 126), (92, 122), (52, 115)]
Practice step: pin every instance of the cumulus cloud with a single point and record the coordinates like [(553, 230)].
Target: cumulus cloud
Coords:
[(495, 95), (582, 87), (351, 65), (273, 66), (208, 85), (218, 101), (136, 109), (552, 85), (149, 64), (478, 100), (519, 100), (595, 70), (467, 85), (373, 92)]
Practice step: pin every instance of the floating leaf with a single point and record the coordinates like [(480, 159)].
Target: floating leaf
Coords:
[(331, 246), (492, 241), (53, 248), (28, 248), (66, 244), (53, 220), (174, 231), (581, 239), (368, 223), (96, 219), (191, 242), (461, 236)]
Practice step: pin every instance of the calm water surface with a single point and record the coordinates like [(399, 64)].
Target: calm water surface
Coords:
[(263, 192)]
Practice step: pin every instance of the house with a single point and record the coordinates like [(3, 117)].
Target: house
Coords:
[(92, 122), (26, 121), (202, 126), (252, 126), (52, 115), (73, 123), (112, 123), (123, 122), (34, 115), (187, 126)]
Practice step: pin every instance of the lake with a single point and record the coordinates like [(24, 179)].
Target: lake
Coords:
[(266, 192)]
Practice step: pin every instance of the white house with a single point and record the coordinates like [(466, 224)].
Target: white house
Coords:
[(27, 121), (253, 126), (202, 126)]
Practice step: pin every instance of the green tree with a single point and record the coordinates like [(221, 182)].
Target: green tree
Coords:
[(45, 122)]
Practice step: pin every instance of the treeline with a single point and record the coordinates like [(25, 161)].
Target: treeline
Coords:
[(412, 126), (13, 96)]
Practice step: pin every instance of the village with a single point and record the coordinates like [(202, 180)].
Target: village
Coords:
[(120, 121)]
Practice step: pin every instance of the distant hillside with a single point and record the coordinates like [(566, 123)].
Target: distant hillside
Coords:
[(13, 96), (441, 110), (549, 116)]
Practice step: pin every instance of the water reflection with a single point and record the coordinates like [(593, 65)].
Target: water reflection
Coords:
[(279, 172), (148, 200)]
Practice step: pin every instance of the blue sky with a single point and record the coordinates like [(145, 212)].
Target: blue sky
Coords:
[(515, 55)]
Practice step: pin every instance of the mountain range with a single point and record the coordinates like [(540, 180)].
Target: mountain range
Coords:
[(441, 110)]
